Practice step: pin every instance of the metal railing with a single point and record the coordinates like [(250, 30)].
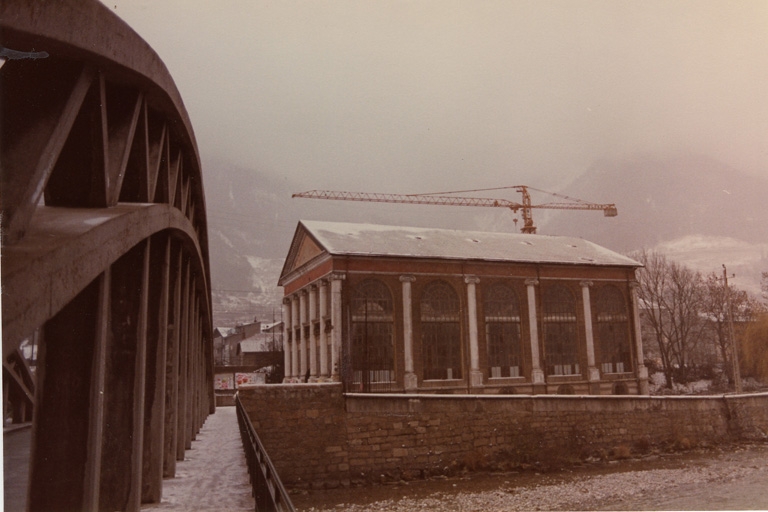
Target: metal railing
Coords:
[(268, 490)]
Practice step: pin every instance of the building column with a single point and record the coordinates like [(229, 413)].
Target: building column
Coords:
[(304, 341), (537, 374), (410, 380), (593, 374), (642, 371), (296, 337), (287, 339), (323, 299), (313, 333), (475, 375), (336, 328)]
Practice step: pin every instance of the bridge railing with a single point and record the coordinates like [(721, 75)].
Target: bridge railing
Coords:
[(268, 490)]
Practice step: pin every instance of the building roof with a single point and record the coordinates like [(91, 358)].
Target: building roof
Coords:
[(339, 238), (251, 345)]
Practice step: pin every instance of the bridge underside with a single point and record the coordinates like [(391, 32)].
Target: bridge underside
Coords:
[(105, 258)]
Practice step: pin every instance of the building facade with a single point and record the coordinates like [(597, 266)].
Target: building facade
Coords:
[(399, 309)]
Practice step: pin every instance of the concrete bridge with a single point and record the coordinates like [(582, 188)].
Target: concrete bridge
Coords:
[(105, 257)]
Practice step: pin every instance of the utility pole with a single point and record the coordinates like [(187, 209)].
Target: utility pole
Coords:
[(734, 342)]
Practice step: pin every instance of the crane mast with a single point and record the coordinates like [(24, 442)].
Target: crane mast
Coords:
[(444, 198)]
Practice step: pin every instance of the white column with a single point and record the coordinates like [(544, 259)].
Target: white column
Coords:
[(475, 375), (642, 371), (537, 375), (313, 334), (593, 374), (304, 342), (410, 379), (296, 337), (324, 373), (287, 337), (336, 328)]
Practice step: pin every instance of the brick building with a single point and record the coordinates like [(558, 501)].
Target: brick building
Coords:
[(402, 309)]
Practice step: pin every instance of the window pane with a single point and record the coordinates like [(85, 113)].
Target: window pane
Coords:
[(372, 328), (440, 332), (560, 333), (502, 329), (613, 331)]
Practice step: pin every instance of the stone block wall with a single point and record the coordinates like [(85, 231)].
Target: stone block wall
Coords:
[(303, 428), (317, 436)]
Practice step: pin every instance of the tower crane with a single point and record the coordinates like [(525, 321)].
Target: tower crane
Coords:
[(445, 198)]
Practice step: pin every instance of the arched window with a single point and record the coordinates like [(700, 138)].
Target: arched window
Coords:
[(502, 331), (440, 332), (372, 328), (613, 331), (560, 334)]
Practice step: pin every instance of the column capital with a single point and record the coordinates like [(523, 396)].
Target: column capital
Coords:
[(324, 282), (286, 300), (471, 279), (304, 292), (313, 287), (634, 285), (407, 278), (337, 276), (532, 282), (586, 283)]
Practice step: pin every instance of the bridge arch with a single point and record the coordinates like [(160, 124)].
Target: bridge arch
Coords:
[(105, 256)]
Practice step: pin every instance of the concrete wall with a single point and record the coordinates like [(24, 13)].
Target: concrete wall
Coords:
[(316, 436)]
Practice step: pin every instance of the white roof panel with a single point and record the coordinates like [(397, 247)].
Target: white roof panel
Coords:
[(340, 238)]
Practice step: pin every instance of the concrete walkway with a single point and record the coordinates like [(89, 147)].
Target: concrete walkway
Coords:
[(213, 474)]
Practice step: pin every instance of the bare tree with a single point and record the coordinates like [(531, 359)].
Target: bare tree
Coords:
[(672, 296), (684, 300), (652, 281)]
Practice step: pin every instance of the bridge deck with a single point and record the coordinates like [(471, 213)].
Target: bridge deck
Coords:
[(213, 475)]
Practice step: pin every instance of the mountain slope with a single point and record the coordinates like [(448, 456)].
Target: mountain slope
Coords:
[(661, 199)]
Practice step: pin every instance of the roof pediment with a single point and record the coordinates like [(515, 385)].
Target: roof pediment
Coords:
[(304, 249)]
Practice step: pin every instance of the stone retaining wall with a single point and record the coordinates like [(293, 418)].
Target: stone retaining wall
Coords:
[(317, 436)]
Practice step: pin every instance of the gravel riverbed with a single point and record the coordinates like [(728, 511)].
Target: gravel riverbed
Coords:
[(735, 478)]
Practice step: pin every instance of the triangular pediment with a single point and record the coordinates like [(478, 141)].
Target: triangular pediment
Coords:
[(307, 250), (304, 248)]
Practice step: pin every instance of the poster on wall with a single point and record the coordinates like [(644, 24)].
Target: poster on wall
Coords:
[(249, 378), (224, 381)]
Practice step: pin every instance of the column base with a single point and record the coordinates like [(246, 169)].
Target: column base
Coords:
[(411, 382), (642, 381), (476, 379), (537, 376), (313, 379), (593, 374)]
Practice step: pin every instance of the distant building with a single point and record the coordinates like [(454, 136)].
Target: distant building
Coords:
[(226, 340), (387, 308)]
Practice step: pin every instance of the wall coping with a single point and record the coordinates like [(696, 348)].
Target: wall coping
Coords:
[(430, 396), (297, 385)]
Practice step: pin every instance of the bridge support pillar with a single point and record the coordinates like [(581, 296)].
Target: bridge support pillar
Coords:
[(70, 352), (157, 348)]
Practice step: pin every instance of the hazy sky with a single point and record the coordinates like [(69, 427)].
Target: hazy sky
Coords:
[(419, 96)]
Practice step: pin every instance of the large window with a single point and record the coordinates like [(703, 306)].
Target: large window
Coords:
[(440, 332), (560, 333), (372, 327), (613, 331), (502, 331)]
